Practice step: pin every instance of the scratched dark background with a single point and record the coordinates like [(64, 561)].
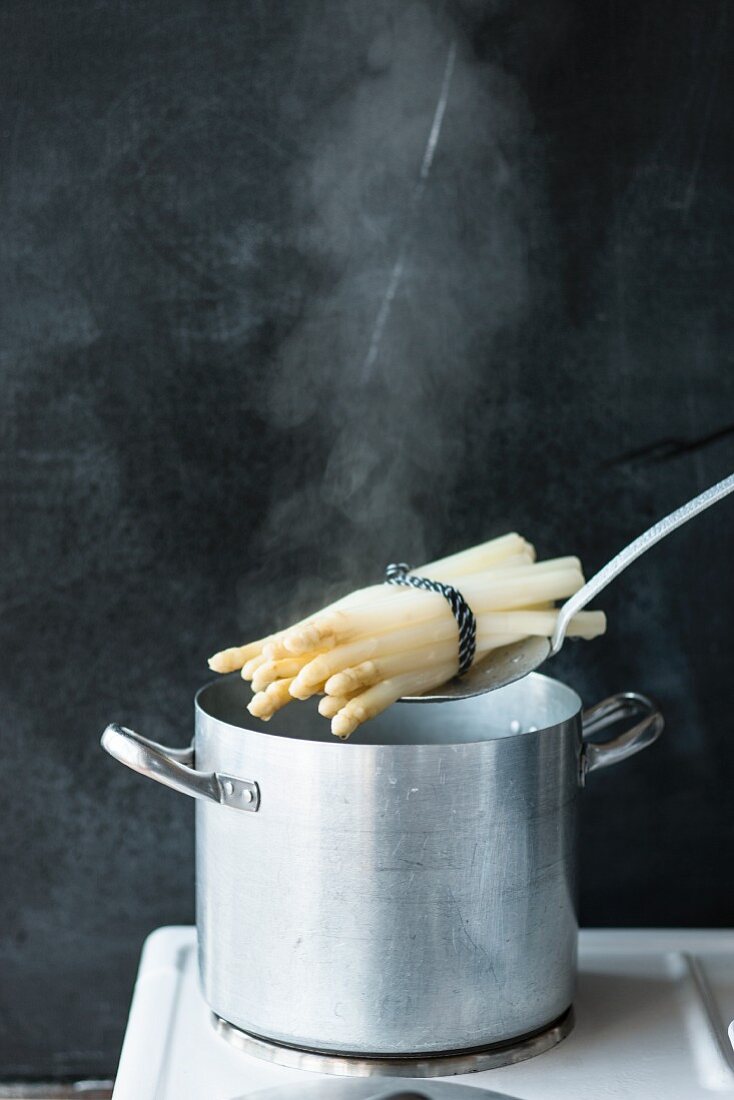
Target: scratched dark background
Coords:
[(259, 336)]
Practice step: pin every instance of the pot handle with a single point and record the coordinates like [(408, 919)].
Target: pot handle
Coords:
[(601, 754), (174, 768)]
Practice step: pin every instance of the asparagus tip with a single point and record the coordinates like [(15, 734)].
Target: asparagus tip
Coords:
[(343, 725)]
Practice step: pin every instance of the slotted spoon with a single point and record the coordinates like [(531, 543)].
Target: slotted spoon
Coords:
[(503, 666)]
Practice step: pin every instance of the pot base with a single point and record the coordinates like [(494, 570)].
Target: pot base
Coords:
[(404, 1065)]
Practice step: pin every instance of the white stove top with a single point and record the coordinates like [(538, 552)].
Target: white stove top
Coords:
[(652, 1012)]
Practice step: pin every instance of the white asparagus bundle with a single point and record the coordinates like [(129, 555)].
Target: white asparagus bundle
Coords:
[(377, 644), (491, 591), (505, 548)]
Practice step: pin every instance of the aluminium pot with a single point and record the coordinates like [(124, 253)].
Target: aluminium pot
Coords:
[(408, 893)]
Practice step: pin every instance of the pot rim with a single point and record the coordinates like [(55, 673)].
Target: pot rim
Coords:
[(257, 728)]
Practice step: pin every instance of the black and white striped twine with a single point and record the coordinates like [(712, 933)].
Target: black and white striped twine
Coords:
[(397, 573)]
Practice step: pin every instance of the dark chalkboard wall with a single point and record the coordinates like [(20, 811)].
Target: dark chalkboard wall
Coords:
[(259, 336)]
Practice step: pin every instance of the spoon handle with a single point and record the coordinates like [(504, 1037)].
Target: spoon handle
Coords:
[(625, 557)]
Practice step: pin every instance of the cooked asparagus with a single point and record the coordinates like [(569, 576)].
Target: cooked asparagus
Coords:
[(366, 650)]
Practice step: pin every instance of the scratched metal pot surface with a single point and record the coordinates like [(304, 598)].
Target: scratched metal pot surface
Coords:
[(411, 891), (395, 1089)]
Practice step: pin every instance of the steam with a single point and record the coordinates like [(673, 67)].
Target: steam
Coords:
[(409, 214), (397, 271)]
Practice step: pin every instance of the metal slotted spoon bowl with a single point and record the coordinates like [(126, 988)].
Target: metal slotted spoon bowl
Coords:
[(512, 662)]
